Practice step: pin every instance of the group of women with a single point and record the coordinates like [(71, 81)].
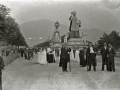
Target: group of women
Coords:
[(44, 56)]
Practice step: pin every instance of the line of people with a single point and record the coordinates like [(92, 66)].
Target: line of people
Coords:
[(87, 57), (27, 53)]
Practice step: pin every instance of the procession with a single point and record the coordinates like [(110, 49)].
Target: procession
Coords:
[(85, 55), (59, 45)]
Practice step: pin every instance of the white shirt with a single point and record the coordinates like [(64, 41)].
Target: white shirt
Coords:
[(109, 49), (48, 50), (105, 47), (91, 50)]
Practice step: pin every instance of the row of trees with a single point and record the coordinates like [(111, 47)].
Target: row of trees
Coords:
[(9, 28), (112, 38)]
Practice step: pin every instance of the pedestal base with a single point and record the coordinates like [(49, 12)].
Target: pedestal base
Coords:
[(56, 45), (77, 42)]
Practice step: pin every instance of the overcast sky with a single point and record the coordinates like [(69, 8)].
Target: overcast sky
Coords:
[(100, 14)]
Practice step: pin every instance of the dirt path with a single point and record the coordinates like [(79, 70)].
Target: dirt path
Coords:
[(29, 75)]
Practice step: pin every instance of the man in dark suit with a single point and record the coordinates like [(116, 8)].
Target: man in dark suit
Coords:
[(64, 57), (22, 52), (1, 67), (28, 54), (68, 50), (104, 52), (111, 55), (91, 51), (31, 53), (25, 53), (82, 57), (68, 58)]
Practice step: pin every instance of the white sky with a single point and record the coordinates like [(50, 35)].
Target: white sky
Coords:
[(101, 14)]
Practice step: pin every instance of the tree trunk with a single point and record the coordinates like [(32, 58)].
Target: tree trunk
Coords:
[(5, 48)]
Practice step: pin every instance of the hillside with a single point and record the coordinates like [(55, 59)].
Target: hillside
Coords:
[(45, 29)]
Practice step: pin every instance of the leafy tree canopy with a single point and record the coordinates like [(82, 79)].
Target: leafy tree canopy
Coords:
[(112, 38)]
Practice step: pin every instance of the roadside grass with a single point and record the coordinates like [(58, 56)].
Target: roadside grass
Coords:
[(9, 59)]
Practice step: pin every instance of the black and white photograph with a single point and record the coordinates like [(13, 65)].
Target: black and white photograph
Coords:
[(59, 44)]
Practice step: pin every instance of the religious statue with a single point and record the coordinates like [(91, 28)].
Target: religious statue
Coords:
[(75, 23), (83, 37), (56, 35), (65, 38)]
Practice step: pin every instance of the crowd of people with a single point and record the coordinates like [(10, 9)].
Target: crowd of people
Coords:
[(45, 55), (27, 53), (85, 57)]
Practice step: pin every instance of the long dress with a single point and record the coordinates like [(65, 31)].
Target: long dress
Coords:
[(43, 59), (54, 55), (77, 56), (59, 54), (39, 56), (72, 55)]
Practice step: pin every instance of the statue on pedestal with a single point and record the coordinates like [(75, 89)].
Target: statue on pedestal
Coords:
[(65, 38), (75, 23), (83, 37), (56, 35)]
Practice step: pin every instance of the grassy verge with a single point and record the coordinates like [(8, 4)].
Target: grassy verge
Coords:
[(9, 59)]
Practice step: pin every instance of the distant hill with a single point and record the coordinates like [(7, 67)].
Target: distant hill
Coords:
[(45, 29), (94, 34), (41, 28)]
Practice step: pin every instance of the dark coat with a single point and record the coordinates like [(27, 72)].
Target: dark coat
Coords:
[(68, 53), (1, 65), (103, 51), (81, 55), (112, 52), (64, 53), (88, 54), (63, 56)]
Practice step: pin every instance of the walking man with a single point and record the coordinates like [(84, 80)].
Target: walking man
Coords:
[(111, 55), (64, 57), (104, 52)]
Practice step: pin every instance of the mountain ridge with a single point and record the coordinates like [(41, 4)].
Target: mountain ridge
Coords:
[(45, 28)]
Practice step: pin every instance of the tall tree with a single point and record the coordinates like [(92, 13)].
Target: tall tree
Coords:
[(112, 38), (9, 29), (115, 39)]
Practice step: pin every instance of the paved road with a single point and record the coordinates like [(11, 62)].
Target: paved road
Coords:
[(29, 75)]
